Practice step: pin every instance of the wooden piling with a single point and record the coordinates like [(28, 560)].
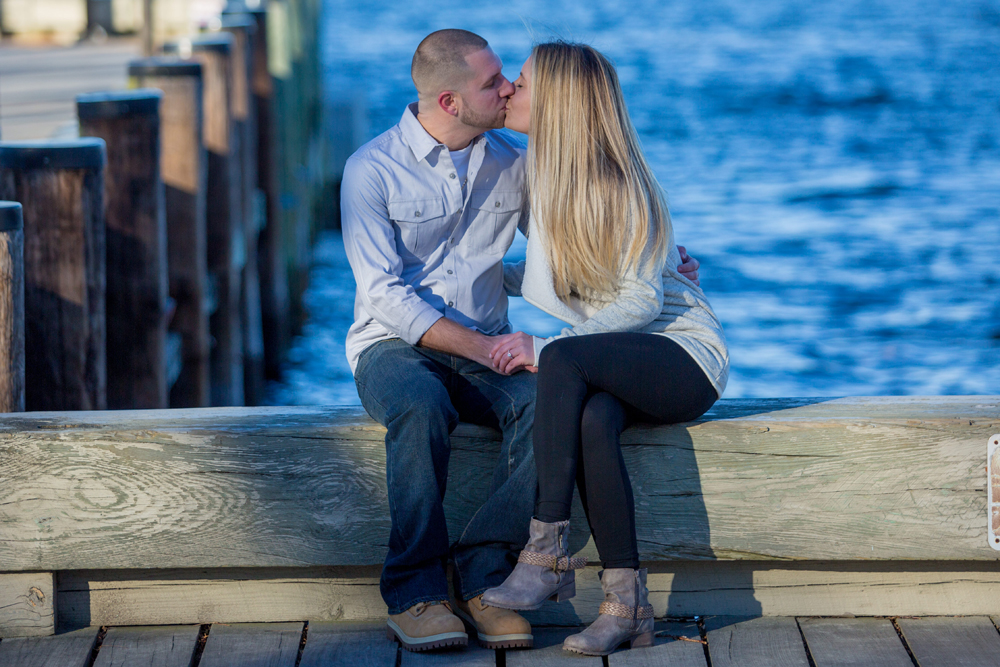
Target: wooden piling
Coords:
[(243, 28), (275, 308), (136, 244), (61, 188), (183, 163), (226, 237), (11, 307)]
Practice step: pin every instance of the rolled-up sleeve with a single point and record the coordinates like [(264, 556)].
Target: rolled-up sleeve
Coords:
[(370, 243)]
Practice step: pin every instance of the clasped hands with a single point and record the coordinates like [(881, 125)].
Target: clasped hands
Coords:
[(512, 353)]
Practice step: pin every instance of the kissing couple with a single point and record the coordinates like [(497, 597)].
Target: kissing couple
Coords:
[(429, 208)]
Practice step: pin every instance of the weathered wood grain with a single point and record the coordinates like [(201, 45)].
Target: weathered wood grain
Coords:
[(161, 646), (548, 651), (677, 645), (27, 604), (854, 642), (71, 649), (148, 597), (848, 479), (252, 645), (759, 642), (11, 307), (970, 641), (355, 644)]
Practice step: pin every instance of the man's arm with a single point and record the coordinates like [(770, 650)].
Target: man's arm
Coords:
[(449, 336), (370, 243)]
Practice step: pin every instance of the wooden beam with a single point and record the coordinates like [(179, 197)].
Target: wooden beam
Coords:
[(789, 479), (27, 604), (153, 597)]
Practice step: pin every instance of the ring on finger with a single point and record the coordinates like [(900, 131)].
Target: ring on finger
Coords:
[(509, 354)]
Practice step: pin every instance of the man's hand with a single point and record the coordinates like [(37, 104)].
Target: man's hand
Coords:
[(689, 266), (513, 352)]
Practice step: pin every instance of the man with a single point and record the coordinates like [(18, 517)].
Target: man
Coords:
[(429, 208)]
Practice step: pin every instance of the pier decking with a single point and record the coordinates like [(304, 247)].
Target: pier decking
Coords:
[(726, 641)]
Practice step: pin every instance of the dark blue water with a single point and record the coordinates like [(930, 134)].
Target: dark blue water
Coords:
[(835, 167)]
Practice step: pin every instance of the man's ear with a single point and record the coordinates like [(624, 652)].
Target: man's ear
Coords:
[(448, 101)]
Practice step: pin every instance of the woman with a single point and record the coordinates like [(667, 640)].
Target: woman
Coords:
[(643, 344)]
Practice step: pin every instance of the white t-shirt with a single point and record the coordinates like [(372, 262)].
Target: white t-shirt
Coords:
[(460, 159)]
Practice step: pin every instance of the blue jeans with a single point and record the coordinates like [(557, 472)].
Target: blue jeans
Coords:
[(420, 396)]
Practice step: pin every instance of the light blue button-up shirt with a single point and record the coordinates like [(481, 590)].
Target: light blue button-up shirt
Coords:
[(419, 248)]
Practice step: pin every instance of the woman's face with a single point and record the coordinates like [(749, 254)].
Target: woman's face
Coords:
[(519, 104)]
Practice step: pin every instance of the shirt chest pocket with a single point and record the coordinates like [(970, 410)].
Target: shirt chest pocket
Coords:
[(497, 213), (421, 225)]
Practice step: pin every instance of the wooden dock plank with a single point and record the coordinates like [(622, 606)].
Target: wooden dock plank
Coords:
[(471, 656), (26, 604), (964, 641), (548, 651), (670, 649), (345, 643), (155, 646), (70, 649), (758, 642), (252, 645), (854, 642)]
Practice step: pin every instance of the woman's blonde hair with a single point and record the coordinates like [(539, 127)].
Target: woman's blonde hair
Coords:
[(591, 189)]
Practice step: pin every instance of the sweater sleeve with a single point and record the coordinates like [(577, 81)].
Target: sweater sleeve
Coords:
[(639, 301)]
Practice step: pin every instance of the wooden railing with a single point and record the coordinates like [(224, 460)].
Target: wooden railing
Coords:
[(766, 507)]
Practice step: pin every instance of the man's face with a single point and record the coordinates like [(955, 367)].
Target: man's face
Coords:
[(484, 96)]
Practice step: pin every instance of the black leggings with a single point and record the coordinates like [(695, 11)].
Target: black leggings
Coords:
[(590, 388)]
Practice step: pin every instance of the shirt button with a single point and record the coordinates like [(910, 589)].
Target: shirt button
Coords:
[(451, 303), (450, 272), (416, 213), (452, 176), (497, 204)]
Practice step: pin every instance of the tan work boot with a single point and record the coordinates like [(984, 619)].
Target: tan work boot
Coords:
[(427, 625), (495, 627)]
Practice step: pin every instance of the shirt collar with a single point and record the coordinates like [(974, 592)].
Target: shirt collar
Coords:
[(417, 138)]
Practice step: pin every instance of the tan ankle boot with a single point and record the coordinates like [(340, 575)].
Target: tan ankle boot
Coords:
[(495, 627), (427, 625), (544, 570), (626, 615)]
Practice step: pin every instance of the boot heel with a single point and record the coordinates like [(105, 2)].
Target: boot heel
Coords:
[(565, 592), (644, 640)]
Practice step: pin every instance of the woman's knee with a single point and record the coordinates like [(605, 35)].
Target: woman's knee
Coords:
[(602, 421), (563, 352)]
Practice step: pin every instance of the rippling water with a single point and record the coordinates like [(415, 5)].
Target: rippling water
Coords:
[(835, 167)]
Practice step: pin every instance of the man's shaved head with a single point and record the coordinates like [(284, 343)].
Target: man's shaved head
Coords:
[(439, 62)]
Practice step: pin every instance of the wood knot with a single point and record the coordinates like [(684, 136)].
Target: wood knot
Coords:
[(36, 598)]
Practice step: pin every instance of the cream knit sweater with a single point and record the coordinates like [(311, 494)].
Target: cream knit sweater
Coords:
[(651, 299)]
